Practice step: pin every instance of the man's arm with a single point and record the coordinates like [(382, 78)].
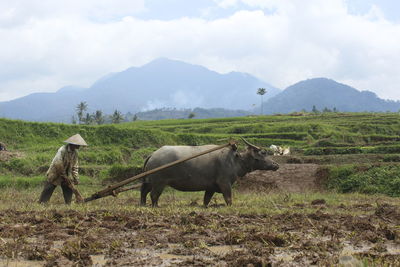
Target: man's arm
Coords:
[(75, 171)]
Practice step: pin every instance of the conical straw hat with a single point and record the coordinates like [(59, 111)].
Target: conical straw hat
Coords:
[(76, 140)]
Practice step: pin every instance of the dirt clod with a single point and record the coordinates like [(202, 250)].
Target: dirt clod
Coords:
[(318, 202)]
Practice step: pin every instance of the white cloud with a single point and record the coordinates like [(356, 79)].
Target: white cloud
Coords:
[(16, 12), (46, 45), (226, 3)]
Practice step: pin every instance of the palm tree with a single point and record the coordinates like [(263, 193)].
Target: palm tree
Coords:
[(117, 117), (98, 117), (80, 109), (89, 119), (261, 92), (73, 120)]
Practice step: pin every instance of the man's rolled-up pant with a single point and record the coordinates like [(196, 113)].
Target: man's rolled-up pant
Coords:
[(49, 189)]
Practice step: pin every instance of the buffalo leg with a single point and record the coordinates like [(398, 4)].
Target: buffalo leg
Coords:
[(207, 197), (155, 194), (144, 190), (227, 193)]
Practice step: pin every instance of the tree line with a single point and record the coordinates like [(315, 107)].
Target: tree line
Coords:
[(97, 117)]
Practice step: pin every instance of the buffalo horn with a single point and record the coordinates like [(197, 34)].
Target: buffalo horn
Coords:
[(249, 144)]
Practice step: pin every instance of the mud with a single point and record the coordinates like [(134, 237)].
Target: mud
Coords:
[(292, 178), (322, 236)]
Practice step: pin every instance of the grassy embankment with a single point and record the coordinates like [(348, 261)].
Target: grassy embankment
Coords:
[(360, 150)]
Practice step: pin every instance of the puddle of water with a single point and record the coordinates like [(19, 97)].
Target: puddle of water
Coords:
[(346, 256), (283, 257), (393, 249), (349, 250), (31, 239), (98, 260), (21, 263), (223, 249), (349, 261), (58, 244)]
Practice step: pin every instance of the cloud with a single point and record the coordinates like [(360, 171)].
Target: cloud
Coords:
[(17, 12), (178, 99), (46, 45)]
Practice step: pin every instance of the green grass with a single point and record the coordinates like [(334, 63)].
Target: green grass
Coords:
[(175, 202), (25, 182), (116, 151)]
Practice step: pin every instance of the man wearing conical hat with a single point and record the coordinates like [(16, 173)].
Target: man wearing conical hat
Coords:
[(64, 166)]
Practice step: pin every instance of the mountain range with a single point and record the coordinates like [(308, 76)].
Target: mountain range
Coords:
[(324, 93), (165, 84), (162, 83)]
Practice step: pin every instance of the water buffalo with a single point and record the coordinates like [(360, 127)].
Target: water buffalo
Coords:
[(212, 172)]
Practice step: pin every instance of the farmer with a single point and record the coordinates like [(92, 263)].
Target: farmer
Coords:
[(63, 166), (2, 147)]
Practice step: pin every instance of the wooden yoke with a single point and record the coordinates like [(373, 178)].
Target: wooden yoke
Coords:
[(111, 190)]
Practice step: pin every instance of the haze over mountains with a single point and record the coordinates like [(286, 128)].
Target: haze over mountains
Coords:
[(160, 83), (165, 83)]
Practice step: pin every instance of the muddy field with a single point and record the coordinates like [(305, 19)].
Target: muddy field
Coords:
[(259, 230)]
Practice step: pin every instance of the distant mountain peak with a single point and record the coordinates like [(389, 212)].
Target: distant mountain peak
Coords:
[(160, 83), (172, 64), (70, 88), (317, 80), (327, 93), (162, 61)]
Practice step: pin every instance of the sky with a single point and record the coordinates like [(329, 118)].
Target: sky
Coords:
[(49, 44)]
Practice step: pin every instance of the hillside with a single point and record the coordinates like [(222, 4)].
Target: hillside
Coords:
[(356, 137), (300, 209), (198, 113), (158, 84), (325, 93)]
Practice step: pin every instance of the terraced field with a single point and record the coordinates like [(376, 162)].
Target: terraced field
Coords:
[(333, 201)]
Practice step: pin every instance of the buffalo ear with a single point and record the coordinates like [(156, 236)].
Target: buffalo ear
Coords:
[(234, 147)]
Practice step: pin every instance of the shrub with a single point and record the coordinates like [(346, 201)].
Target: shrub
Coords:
[(119, 172), (369, 180), (29, 182), (107, 156), (21, 182), (333, 150), (391, 158), (22, 166)]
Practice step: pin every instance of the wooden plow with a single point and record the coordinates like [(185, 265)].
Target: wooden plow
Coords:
[(114, 190)]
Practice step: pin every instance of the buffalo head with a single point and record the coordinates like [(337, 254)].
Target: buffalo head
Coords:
[(256, 158)]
